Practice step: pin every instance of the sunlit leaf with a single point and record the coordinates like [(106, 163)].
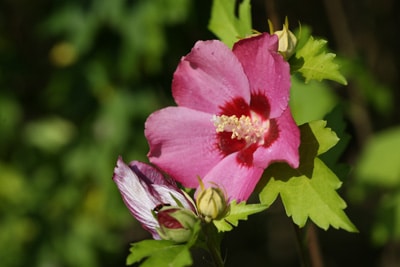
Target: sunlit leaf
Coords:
[(238, 211), (159, 253), (317, 63), (163, 252), (224, 23), (309, 192), (325, 137), (312, 198)]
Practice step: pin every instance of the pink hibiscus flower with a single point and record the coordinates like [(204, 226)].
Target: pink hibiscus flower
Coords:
[(232, 120)]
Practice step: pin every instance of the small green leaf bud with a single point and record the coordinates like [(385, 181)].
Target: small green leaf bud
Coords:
[(211, 204), (176, 224)]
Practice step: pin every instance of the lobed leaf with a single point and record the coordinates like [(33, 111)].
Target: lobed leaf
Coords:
[(313, 198), (163, 252), (159, 253), (310, 190), (238, 211), (325, 137), (317, 63)]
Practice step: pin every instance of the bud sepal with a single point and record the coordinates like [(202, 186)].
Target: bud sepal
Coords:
[(287, 40), (211, 203), (175, 224)]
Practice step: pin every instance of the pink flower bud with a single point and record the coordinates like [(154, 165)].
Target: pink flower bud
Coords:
[(176, 224)]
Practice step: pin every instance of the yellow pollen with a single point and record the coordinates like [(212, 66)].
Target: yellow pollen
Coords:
[(250, 129)]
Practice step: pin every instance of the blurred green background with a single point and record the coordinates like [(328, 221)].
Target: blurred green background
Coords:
[(79, 78)]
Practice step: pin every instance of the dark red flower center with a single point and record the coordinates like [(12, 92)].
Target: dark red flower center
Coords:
[(243, 128)]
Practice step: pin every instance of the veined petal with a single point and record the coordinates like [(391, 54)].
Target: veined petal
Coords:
[(208, 77), (169, 196), (237, 180), (182, 143), (284, 148), (267, 72), (147, 172), (136, 197)]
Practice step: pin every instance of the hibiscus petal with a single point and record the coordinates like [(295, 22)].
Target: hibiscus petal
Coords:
[(237, 180), (208, 77), (169, 197), (182, 143), (284, 148), (136, 196), (148, 172), (268, 73)]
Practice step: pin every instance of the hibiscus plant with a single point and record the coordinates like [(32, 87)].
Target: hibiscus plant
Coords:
[(233, 135)]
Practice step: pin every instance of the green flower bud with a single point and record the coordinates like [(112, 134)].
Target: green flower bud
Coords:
[(287, 41), (211, 204), (176, 224)]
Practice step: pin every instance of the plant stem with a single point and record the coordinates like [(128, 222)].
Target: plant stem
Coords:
[(314, 248), (302, 246), (308, 245), (213, 244)]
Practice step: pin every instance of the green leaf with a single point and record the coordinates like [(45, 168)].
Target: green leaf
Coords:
[(237, 212), (336, 121), (313, 198), (224, 23), (325, 137), (159, 253), (310, 101), (386, 228), (317, 63), (379, 162), (310, 190), (163, 252), (303, 33)]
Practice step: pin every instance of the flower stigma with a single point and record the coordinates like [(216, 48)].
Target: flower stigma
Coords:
[(251, 129)]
